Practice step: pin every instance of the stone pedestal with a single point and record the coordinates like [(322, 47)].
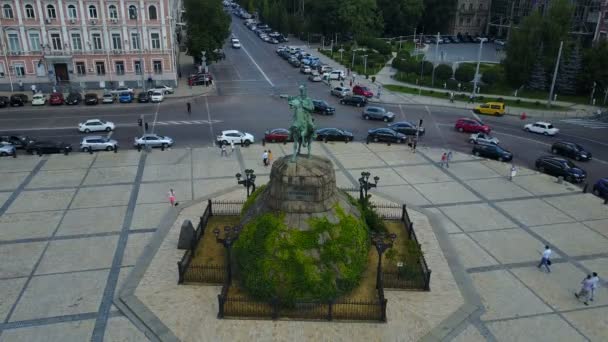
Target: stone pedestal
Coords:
[(186, 235)]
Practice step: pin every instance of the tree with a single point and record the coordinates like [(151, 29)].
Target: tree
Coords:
[(490, 76), (595, 68), (443, 72), (207, 27), (464, 73), (424, 67), (569, 72), (538, 76), (437, 15), (400, 16)]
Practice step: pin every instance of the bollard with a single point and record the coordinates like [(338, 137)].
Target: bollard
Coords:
[(162, 147), (585, 188), (116, 149), (90, 151), (263, 141), (138, 148), (14, 154), (560, 180)]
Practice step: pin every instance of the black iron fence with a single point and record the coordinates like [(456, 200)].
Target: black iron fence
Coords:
[(212, 274), (184, 264), (227, 208)]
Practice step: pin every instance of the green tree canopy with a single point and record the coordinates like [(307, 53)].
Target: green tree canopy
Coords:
[(443, 72), (465, 73), (437, 15), (207, 26), (400, 16)]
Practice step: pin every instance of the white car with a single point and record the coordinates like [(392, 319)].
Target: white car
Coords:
[(235, 136), (541, 127), (165, 89), (157, 96), (482, 138), (107, 98), (153, 140), (335, 75), (38, 100), (95, 125), (236, 44), (122, 90)]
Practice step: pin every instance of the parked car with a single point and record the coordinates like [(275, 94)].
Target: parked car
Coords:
[(600, 188), (363, 91), (276, 135), (471, 125), (492, 151), (7, 150), (107, 98), (157, 96), (305, 69), (235, 136), (386, 135), (323, 107), (97, 143), (73, 99), (377, 113), (18, 100), (483, 138), (340, 91), (19, 141), (38, 99), (153, 140), (121, 90), (165, 89), (143, 97), (48, 147), (560, 167), (125, 97), (333, 134), (56, 99), (357, 101), (407, 128), (236, 44), (96, 125), (294, 62), (4, 101), (91, 99), (491, 108), (571, 150), (315, 77), (339, 75), (324, 68), (540, 127)]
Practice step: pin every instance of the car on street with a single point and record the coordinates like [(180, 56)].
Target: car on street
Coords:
[(19, 141), (305, 69), (125, 97), (571, 150), (153, 140), (96, 125), (560, 167), (143, 97), (91, 99), (165, 89), (356, 100), (73, 99), (236, 44), (385, 134), (600, 188), (122, 90), (107, 98), (471, 126), (4, 101), (157, 96), (540, 127), (294, 62), (48, 147), (339, 75), (377, 113), (235, 136), (492, 151), (362, 91), (407, 128), (323, 107), (333, 134), (38, 99), (276, 135), (483, 138), (7, 150), (490, 108), (315, 77), (340, 91), (97, 143), (56, 99), (18, 100)]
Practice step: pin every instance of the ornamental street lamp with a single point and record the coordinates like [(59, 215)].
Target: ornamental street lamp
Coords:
[(231, 234), (365, 184), (382, 242), (248, 181)]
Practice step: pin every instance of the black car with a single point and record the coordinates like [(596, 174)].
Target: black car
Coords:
[(356, 100), (73, 99), (91, 99), (143, 97), (47, 147), (570, 150), (19, 141), (385, 134), (406, 128), (294, 62), (18, 100), (322, 107), (560, 167), (333, 134), (4, 101), (492, 151)]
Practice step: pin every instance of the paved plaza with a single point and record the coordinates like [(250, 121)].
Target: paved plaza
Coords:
[(73, 227)]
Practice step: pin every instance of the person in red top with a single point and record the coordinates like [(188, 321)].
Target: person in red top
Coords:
[(444, 159)]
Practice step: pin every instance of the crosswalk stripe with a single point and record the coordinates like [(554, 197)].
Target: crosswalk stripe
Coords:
[(593, 124)]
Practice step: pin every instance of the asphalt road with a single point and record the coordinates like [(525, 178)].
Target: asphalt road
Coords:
[(249, 84)]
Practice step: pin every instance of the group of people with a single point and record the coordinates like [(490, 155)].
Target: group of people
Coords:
[(446, 158), (267, 157)]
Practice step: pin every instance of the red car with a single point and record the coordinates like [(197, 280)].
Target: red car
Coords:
[(56, 99), (276, 135), (472, 126), (363, 91)]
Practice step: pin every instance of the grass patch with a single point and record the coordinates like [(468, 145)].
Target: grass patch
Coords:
[(375, 61), (209, 252)]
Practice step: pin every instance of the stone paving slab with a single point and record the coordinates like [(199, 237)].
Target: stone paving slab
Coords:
[(111, 175), (204, 188), (541, 184), (102, 196), (492, 218), (59, 332), (18, 260), (4, 196), (469, 253), (61, 294), (124, 158), (92, 221), (149, 215), (405, 193), (503, 296), (159, 192), (163, 172), (467, 171), (78, 255), (220, 168), (401, 157), (9, 291), (591, 322), (521, 247), (599, 265), (573, 238), (23, 163), (340, 147), (387, 177), (42, 200), (600, 226), (547, 328), (446, 192), (505, 168), (444, 222), (435, 154), (379, 148), (135, 246), (469, 334), (582, 206), (12, 180), (497, 188), (359, 160), (29, 225), (534, 212), (419, 174), (169, 157), (57, 178), (120, 329), (69, 162)]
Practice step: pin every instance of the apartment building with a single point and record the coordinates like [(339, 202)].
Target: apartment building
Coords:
[(471, 17), (87, 44)]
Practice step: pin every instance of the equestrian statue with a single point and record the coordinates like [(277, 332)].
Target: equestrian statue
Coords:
[(302, 129)]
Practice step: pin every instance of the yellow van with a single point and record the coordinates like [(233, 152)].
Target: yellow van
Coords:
[(491, 108)]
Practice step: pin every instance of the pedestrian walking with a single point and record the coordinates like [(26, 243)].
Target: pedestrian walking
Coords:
[(33, 87), (546, 259), (188, 107), (586, 288), (21, 85), (146, 127), (265, 158), (513, 172), (595, 283), (471, 98), (231, 147), (172, 198), (448, 159), (452, 97), (269, 157), (223, 152), (444, 158), (414, 143)]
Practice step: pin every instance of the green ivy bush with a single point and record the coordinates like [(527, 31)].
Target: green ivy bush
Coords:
[(252, 197), (464, 73), (443, 72)]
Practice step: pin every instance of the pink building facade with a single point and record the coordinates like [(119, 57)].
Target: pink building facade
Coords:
[(87, 44)]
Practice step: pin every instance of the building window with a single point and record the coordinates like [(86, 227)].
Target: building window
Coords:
[(468, 21), (7, 11), (137, 67), (158, 67), (34, 41), (133, 12), (56, 41), (72, 12), (50, 12), (96, 37), (100, 68), (19, 69), (13, 42), (120, 68), (152, 13), (81, 69), (29, 12), (135, 43), (76, 41), (92, 12), (155, 39), (113, 12), (116, 41)]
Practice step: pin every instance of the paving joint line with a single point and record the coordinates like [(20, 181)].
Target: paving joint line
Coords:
[(15, 193)]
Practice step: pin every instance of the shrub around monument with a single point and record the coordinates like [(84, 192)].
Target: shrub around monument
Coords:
[(252, 197), (321, 263)]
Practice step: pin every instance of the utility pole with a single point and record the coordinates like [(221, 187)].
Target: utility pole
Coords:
[(481, 40), (436, 59), (559, 56), (352, 64), (510, 20)]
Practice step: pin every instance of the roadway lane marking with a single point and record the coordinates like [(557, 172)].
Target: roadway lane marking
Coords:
[(158, 123), (257, 66), (402, 112), (443, 140), (210, 122)]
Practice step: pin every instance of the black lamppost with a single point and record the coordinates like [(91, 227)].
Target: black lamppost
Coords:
[(365, 184), (231, 234), (248, 181), (382, 242)]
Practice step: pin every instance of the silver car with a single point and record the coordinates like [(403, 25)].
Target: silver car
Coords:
[(97, 143), (482, 138), (7, 150), (377, 113), (153, 140), (340, 92)]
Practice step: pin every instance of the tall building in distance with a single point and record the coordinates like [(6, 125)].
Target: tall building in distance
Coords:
[(471, 17), (88, 44)]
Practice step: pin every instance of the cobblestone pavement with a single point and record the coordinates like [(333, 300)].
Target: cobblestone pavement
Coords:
[(72, 227)]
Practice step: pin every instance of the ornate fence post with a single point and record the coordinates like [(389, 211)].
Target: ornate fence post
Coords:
[(383, 309), (403, 209), (180, 271), (427, 281), (221, 300), (210, 207)]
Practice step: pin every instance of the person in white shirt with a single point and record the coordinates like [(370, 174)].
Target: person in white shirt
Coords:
[(595, 282), (546, 259), (587, 286)]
